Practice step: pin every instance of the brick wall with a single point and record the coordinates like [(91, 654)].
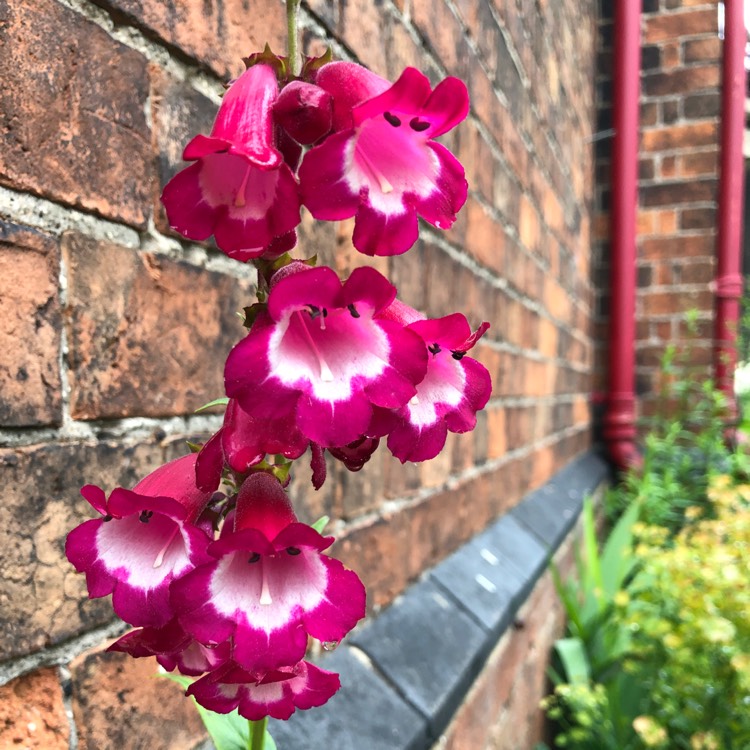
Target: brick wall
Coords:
[(114, 330), (678, 186)]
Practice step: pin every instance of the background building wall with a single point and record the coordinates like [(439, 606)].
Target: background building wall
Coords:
[(114, 330), (678, 187)]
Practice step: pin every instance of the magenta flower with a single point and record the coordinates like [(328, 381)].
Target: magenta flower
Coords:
[(322, 355), (145, 540), (276, 692), (268, 587), (173, 648), (454, 388), (383, 166), (244, 441), (239, 189)]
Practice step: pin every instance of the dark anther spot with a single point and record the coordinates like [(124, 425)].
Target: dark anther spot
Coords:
[(324, 312), (353, 311), (458, 355), (107, 518), (434, 349), (392, 119), (254, 557), (419, 125), (314, 311), (293, 551), (145, 516)]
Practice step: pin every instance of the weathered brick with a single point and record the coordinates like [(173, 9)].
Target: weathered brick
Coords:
[(702, 105), (680, 136), (676, 247), (216, 34), (676, 193), (698, 218), (119, 702), (73, 102), (42, 598), (32, 713), (700, 164), (139, 343), (29, 328), (666, 26), (702, 50), (681, 80)]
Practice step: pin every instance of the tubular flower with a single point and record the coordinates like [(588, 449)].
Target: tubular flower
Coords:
[(172, 647), (276, 692), (268, 587), (244, 441), (145, 541), (321, 354), (454, 388), (239, 189), (382, 165)]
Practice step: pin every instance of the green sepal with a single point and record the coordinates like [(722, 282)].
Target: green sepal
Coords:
[(251, 312), (223, 401), (312, 65), (321, 523), (227, 731), (279, 63), (194, 447)]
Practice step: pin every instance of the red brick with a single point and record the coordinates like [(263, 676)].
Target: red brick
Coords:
[(218, 35), (42, 598), (678, 192), (666, 26), (119, 702), (680, 136), (702, 50), (676, 247), (677, 302), (681, 81), (73, 101), (699, 164), (32, 713), (148, 336), (29, 328)]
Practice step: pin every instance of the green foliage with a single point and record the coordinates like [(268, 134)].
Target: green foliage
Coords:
[(227, 731), (658, 647)]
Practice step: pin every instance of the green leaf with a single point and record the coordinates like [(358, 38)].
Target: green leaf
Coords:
[(227, 731), (320, 524), (617, 561), (573, 657), (216, 402)]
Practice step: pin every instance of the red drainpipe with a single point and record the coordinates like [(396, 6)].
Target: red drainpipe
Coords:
[(619, 420), (731, 186)]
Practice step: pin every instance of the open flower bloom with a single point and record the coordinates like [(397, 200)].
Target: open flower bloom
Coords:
[(384, 168), (145, 540), (268, 586), (321, 355), (239, 189), (172, 647), (275, 693), (454, 388), (244, 441)]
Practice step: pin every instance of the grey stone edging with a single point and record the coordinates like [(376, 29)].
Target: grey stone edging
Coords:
[(406, 672)]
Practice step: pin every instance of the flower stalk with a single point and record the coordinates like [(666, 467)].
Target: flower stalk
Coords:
[(258, 734), (292, 16)]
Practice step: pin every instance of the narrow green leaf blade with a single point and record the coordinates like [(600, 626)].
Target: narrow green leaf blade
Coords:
[(216, 402), (574, 660)]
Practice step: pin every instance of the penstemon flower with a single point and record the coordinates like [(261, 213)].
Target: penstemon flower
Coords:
[(239, 189), (268, 587), (229, 587), (243, 441), (321, 354), (145, 540), (381, 164), (454, 388), (275, 692)]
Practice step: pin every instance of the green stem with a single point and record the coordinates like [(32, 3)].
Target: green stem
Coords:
[(292, 9), (258, 734)]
